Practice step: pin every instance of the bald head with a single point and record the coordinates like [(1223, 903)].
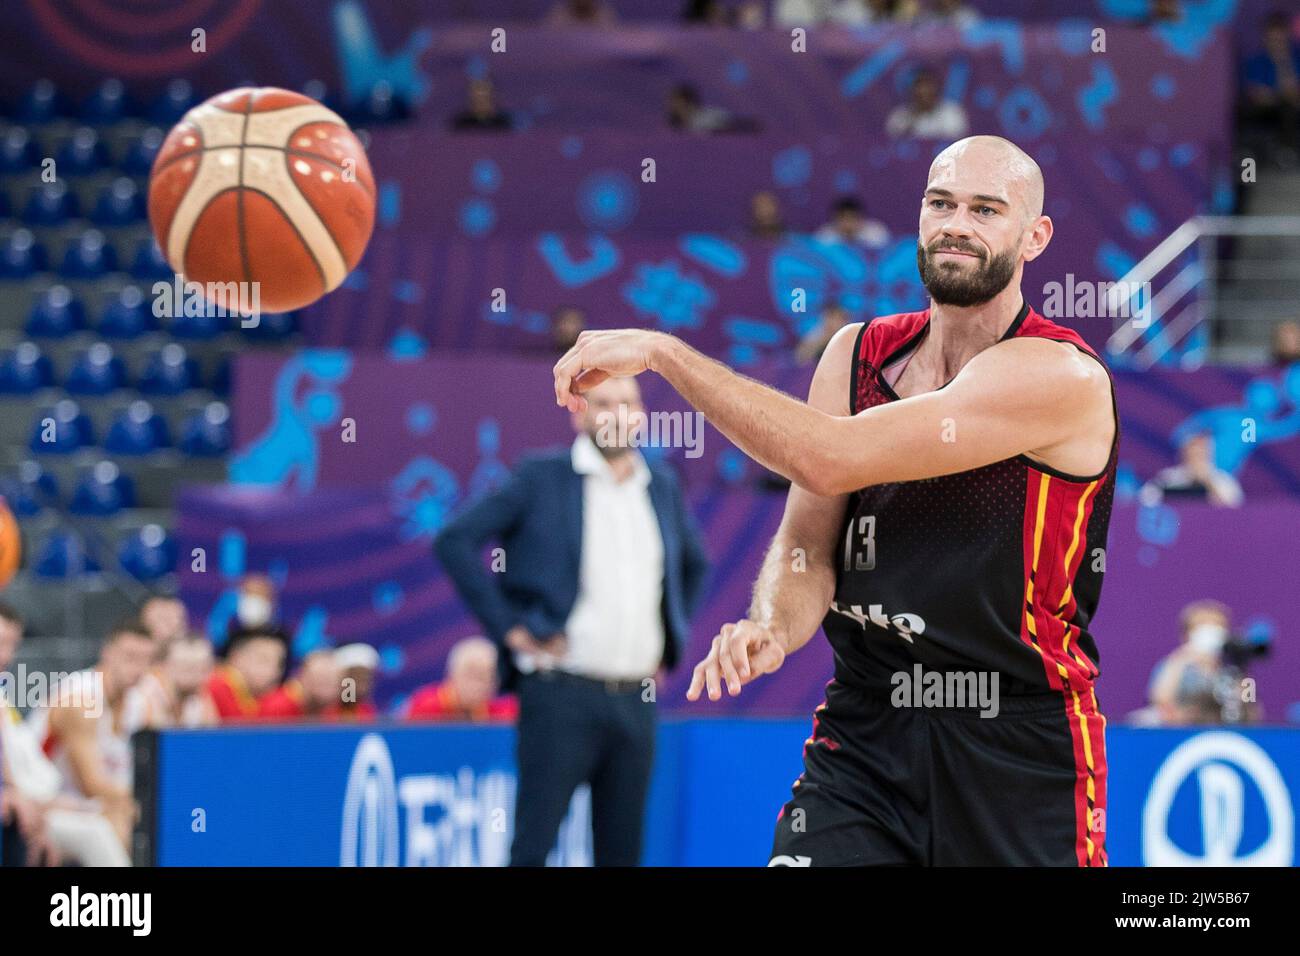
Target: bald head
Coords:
[(981, 221), (1003, 168)]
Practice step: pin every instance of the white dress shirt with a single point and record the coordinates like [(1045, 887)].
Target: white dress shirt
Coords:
[(615, 630)]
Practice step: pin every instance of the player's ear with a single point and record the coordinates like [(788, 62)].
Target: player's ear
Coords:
[(1040, 234)]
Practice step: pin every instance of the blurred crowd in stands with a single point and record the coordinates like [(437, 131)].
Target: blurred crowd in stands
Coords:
[(66, 766)]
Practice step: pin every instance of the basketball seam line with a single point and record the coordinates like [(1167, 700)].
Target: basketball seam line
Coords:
[(328, 231), (239, 196), (279, 149)]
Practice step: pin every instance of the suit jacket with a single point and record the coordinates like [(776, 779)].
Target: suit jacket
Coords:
[(536, 516)]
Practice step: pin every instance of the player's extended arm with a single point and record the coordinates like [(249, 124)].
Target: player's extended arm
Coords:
[(1017, 397), (797, 580)]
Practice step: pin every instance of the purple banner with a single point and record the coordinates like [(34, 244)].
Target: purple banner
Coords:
[(1023, 81)]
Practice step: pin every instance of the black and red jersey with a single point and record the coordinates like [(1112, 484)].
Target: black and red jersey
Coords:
[(995, 569)]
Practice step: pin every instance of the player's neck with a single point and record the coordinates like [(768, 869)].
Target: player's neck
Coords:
[(958, 334)]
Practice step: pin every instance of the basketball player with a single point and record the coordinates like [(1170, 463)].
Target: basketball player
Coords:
[(952, 481), (85, 731)]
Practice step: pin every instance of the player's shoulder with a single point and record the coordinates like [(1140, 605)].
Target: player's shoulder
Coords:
[(883, 335)]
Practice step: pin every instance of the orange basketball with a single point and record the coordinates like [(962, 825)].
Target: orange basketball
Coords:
[(11, 544), (263, 186)]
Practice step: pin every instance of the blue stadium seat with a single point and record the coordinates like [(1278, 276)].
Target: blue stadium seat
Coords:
[(103, 491), (27, 491), (120, 204), (127, 316), (71, 430), (82, 155), (137, 430), (150, 265), (172, 103), (170, 371), (201, 327), (206, 433), (56, 314), (273, 327), (51, 204), (140, 156), (107, 104), (63, 556), (148, 554), (96, 371), (42, 103), (22, 256), (6, 210), (221, 378), (25, 370), (89, 256), (43, 485), (18, 152)]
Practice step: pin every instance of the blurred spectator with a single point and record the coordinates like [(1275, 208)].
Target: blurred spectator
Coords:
[(1272, 91), (1163, 11), (849, 224), (765, 219), (357, 664), (926, 114), (751, 15), (567, 324), (174, 691), (315, 690), (688, 114), (950, 13), (23, 820), (469, 692), (862, 13), (1286, 343), (581, 13), (482, 112), (833, 318), (710, 13), (1192, 684), (183, 679), (86, 736), (255, 604), (1195, 476), (801, 13), (166, 619), (254, 665)]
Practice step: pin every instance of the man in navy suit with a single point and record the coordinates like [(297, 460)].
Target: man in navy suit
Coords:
[(589, 596)]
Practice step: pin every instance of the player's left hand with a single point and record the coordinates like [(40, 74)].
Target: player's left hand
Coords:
[(602, 354), (740, 653)]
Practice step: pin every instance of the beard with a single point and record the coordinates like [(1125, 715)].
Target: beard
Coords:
[(950, 285)]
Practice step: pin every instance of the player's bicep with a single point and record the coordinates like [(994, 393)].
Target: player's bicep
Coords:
[(1005, 402)]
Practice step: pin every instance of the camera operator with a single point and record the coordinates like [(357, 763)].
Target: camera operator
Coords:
[(1202, 681)]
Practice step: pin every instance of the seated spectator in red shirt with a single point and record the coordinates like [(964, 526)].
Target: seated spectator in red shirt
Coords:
[(469, 691), (314, 692), (357, 664), (254, 664)]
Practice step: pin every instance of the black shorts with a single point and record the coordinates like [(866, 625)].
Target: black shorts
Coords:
[(899, 786)]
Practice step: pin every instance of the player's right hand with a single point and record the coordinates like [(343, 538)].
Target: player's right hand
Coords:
[(740, 652)]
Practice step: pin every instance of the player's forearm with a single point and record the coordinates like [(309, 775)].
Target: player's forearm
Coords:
[(792, 592), (789, 437)]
